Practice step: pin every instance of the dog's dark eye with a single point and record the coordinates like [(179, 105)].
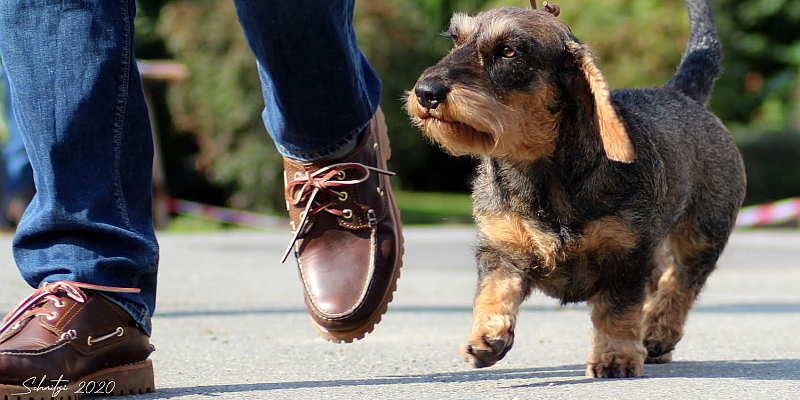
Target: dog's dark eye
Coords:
[(508, 52)]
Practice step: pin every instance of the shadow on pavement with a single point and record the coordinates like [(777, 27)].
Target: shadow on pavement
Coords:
[(733, 308), (788, 369), (763, 370), (749, 308), (447, 309)]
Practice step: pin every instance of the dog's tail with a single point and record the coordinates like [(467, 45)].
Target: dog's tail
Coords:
[(701, 64)]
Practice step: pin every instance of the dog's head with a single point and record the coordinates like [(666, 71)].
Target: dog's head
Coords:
[(500, 89)]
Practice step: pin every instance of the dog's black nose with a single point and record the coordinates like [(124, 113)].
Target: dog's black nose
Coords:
[(430, 93)]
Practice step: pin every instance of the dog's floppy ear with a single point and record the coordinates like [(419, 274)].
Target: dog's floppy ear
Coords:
[(616, 142)]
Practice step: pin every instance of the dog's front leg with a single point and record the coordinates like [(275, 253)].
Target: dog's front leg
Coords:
[(617, 349), (494, 316)]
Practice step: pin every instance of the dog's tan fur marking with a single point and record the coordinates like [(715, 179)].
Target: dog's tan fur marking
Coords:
[(663, 259), (613, 134), (495, 312), (617, 344), (532, 137), (607, 233), (497, 305), (686, 243), (513, 231)]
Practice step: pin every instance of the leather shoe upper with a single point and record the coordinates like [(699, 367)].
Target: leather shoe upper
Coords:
[(67, 329), (348, 241)]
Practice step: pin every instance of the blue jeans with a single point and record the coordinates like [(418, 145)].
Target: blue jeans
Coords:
[(319, 90), (81, 112)]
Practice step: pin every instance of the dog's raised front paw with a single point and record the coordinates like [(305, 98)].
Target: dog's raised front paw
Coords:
[(485, 352)]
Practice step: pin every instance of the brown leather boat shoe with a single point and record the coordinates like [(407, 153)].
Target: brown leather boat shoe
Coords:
[(65, 340), (347, 236)]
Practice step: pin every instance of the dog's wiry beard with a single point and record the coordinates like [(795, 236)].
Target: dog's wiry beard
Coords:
[(473, 122), (458, 138), (467, 123)]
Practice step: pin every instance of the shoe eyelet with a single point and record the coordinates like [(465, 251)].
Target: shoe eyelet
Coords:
[(343, 197), (298, 175), (375, 146), (340, 175), (53, 315), (348, 213), (69, 335), (380, 191), (59, 304)]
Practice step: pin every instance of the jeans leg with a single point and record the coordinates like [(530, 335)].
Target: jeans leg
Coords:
[(319, 89), (80, 108)]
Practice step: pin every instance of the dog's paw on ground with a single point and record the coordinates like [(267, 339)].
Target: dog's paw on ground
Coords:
[(625, 363), (617, 368), (484, 352)]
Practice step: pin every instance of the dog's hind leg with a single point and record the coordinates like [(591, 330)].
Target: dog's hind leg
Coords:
[(686, 260), (494, 317)]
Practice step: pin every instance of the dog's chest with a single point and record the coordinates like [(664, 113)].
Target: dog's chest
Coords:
[(562, 264)]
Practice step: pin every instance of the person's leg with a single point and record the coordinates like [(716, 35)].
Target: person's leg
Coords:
[(319, 89), (81, 112), (321, 108)]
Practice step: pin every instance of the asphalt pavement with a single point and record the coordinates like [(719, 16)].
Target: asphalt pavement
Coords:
[(231, 324)]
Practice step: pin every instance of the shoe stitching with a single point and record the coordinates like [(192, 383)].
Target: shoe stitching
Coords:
[(61, 343), (66, 312), (59, 330), (364, 290)]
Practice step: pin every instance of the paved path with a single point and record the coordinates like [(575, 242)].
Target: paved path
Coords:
[(231, 324)]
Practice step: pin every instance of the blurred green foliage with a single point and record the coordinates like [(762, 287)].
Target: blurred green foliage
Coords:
[(772, 161), (216, 113), (760, 89)]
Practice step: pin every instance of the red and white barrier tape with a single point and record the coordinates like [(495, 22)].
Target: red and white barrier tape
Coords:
[(225, 214), (749, 217), (769, 214)]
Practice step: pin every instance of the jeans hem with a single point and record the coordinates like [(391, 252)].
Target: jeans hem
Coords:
[(141, 318), (327, 151)]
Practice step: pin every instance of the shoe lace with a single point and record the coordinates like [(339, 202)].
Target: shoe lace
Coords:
[(31, 306), (308, 184)]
